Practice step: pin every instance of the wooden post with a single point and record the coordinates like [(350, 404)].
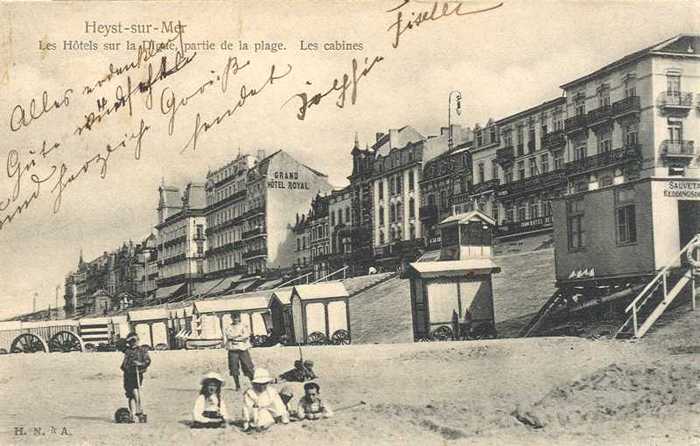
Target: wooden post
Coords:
[(692, 288), (150, 333), (325, 313), (634, 320)]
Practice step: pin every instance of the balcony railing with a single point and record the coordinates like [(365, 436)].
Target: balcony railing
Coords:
[(575, 123), (533, 224), (534, 183), (599, 115), (630, 104), (252, 233), (199, 236), (485, 186), (669, 100), (255, 253), (428, 212), (553, 140), (678, 149), (505, 155), (605, 159)]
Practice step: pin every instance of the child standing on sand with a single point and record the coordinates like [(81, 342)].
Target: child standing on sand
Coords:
[(134, 365), (262, 405), (209, 408)]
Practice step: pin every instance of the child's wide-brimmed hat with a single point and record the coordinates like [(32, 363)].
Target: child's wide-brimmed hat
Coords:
[(212, 376), (308, 363), (262, 376)]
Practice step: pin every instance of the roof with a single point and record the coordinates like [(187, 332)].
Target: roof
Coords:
[(101, 320), (233, 303), (270, 284), (532, 110), (323, 290), (479, 265), (430, 256), (467, 217), (284, 295), (153, 314), (215, 286), (674, 45), (245, 284)]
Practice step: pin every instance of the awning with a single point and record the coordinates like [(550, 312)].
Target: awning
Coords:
[(169, 292), (270, 284), (245, 285), (214, 286), (323, 290), (153, 314), (430, 256), (466, 217), (454, 267), (233, 303), (284, 295)]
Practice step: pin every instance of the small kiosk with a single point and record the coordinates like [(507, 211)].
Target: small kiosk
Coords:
[(451, 293), (152, 326), (320, 314)]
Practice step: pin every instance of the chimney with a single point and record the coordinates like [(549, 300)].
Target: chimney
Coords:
[(261, 154), (379, 136)]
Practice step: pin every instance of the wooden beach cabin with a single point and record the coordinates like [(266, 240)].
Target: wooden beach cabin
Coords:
[(214, 315), (281, 314), (152, 326), (320, 313)]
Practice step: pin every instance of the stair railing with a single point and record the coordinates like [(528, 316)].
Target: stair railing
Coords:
[(662, 277), (341, 270)]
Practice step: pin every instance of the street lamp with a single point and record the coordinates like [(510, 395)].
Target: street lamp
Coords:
[(458, 96)]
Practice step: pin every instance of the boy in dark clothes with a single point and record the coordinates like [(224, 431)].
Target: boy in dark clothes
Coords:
[(136, 361), (302, 371)]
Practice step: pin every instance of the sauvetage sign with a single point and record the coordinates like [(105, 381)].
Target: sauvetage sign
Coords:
[(682, 189)]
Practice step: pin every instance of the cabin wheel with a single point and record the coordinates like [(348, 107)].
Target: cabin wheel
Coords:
[(317, 338), (341, 337), (443, 333), (28, 343)]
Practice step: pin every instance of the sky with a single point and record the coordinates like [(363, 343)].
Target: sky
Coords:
[(502, 61)]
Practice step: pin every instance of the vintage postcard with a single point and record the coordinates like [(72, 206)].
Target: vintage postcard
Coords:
[(350, 222)]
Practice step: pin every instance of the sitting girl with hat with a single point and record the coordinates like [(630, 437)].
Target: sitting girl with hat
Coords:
[(209, 408), (262, 405)]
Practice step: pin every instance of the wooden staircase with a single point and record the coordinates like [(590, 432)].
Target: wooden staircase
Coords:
[(542, 315), (658, 295)]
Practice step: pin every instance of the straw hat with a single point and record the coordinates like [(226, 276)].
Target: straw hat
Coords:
[(212, 376), (262, 376)]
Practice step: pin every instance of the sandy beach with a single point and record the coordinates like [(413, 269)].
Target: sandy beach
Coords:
[(508, 391)]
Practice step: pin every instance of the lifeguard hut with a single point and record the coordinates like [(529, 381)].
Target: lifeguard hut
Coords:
[(451, 291)]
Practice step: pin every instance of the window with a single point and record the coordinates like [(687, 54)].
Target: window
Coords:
[(399, 212), (604, 96), (494, 212), (493, 134), (333, 218), (412, 231), (544, 162), (673, 85), (481, 172), (574, 210), (522, 211), (381, 189), (347, 214), (630, 86), (534, 208), (411, 208), (507, 138), (580, 106), (521, 170), (410, 180), (531, 138), (399, 181), (391, 186), (431, 200), (546, 207), (604, 142), (580, 151), (381, 215), (381, 237), (392, 213), (508, 175), (533, 166), (479, 138), (625, 220), (443, 201), (675, 130), (557, 117), (494, 169), (558, 159), (631, 137), (520, 140), (509, 212)]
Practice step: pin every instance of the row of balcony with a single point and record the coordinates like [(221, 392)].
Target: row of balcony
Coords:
[(631, 152), (255, 232), (603, 114), (174, 241), (675, 100), (399, 248), (255, 253), (678, 149), (534, 183)]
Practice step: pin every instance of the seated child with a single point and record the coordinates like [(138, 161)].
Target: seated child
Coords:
[(262, 405), (286, 395), (310, 405), (134, 365), (209, 408), (302, 371)]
